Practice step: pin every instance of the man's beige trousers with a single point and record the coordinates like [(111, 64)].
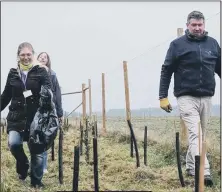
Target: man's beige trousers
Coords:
[(192, 111)]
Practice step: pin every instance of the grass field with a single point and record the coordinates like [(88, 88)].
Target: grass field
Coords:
[(117, 170)]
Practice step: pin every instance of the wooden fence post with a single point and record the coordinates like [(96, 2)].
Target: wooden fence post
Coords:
[(103, 105), (83, 104), (90, 100), (128, 113), (183, 126), (179, 32)]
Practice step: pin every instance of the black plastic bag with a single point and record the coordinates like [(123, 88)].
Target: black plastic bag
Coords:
[(45, 125)]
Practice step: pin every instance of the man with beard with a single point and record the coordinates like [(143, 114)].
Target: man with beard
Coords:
[(194, 58)]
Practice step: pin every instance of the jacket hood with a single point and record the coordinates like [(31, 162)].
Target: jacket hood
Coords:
[(194, 37)]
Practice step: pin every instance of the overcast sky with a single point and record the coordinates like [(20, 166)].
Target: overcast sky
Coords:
[(87, 39)]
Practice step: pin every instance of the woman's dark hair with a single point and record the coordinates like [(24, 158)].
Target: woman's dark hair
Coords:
[(48, 64)]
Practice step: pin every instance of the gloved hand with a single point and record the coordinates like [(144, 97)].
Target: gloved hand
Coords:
[(60, 120), (165, 105)]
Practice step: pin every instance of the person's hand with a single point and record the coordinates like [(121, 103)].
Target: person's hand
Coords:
[(41, 65), (165, 105), (60, 119)]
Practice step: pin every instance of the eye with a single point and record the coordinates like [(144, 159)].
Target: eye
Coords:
[(23, 55)]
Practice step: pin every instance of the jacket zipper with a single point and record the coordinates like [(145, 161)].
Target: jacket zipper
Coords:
[(26, 111), (25, 105), (200, 67)]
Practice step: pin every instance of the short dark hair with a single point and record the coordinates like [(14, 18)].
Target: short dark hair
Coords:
[(195, 15)]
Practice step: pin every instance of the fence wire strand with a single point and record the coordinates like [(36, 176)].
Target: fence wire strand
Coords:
[(145, 52)]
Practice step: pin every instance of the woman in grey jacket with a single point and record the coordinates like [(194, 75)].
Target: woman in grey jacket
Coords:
[(44, 59)]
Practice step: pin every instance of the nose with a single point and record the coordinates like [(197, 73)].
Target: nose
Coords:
[(26, 57), (197, 28)]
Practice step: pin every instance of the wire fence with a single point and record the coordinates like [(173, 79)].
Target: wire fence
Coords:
[(112, 71)]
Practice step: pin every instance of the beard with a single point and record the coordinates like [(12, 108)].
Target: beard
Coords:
[(198, 34)]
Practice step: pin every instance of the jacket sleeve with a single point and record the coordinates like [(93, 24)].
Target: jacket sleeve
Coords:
[(58, 98), (167, 70), (6, 95), (218, 64), (45, 79)]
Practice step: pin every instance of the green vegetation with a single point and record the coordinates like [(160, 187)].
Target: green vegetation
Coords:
[(117, 170)]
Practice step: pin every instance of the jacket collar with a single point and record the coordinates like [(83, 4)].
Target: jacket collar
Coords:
[(193, 37), (19, 70)]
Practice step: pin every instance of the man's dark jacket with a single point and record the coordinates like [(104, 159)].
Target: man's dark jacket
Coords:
[(22, 110), (194, 62)]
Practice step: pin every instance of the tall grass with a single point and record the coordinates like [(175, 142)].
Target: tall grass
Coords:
[(117, 170)]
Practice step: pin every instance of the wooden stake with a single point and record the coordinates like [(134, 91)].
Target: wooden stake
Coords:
[(128, 113), (179, 32), (175, 127), (83, 104), (90, 100), (202, 163), (103, 105), (183, 132), (199, 138), (76, 122)]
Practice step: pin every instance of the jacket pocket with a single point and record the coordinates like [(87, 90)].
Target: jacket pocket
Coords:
[(15, 116), (177, 81), (16, 105), (190, 79), (209, 57)]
